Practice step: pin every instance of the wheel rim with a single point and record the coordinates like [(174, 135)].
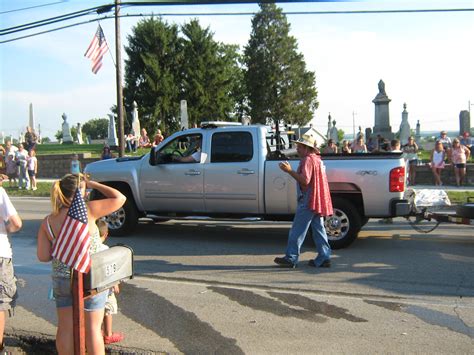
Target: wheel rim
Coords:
[(337, 226), (116, 220)]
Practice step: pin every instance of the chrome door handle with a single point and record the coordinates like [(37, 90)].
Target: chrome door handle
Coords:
[(245, 172), (192, 172)]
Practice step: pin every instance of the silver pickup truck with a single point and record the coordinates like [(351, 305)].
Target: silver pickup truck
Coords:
[(236, 175)]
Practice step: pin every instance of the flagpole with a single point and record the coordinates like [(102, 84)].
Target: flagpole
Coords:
[(118, 71), (78, 313)]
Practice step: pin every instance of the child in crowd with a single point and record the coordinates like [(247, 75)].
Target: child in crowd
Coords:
[(75, 164), (111, 304), (32, 167), (11, 170), (438, 156)]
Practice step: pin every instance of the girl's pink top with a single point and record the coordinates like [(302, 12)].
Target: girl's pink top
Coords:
[(459, 155)]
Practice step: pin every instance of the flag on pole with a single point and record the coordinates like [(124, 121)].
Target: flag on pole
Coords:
[(73, 242), (96, 50)]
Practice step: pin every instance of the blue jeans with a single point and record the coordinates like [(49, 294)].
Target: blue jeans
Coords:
[(304, 218)]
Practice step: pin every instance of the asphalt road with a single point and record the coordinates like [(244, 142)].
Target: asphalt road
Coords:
[(207, 287)]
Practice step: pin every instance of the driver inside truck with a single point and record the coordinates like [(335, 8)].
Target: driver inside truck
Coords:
[(194, 152)]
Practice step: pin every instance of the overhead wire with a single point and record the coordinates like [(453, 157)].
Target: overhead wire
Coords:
[(106, 8), (32, 7)]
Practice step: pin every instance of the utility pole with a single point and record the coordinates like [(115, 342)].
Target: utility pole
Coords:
[(118, 72)]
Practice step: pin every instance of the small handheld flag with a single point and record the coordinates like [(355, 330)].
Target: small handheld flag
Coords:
[(73, 242), (96, 50)]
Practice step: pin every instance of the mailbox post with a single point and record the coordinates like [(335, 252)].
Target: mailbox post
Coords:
[(78, 313)]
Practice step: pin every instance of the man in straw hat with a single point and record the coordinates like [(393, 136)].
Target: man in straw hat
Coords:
[(314, 203)]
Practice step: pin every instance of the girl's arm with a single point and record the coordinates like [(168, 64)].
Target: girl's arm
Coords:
[(113, 200), (44, 245)]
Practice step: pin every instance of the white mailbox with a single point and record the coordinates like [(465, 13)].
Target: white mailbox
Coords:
[(108, 268)]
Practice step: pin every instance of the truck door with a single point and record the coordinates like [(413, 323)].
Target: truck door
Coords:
[(231, 176), (175, 184)]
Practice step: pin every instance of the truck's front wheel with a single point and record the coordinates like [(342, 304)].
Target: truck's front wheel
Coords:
[(344, 225), (124, 220)]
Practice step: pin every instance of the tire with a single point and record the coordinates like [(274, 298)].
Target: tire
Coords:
[(344, 225), (465, 211), (124, 220)]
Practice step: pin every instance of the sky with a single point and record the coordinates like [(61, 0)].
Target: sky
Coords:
[(424, 58)]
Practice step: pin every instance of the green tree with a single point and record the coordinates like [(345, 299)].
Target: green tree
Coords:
[(97, 128), (210, 71), (152, 73), (280, 88), (340, 135)]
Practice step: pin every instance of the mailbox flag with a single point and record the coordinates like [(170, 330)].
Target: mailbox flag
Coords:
[(73, 242)]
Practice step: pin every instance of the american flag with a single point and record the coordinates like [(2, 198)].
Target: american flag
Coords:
[(73, 242), (97, 49)]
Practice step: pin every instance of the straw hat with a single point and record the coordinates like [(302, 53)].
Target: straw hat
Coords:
[(310, 138)]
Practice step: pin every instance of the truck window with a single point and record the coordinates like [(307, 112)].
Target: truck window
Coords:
[(231, 147)]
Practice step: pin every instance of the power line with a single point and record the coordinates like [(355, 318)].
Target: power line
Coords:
[(32, 7), (106, 8)]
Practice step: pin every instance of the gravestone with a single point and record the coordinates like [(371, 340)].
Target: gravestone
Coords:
[(67, 138), (404, 131), (31, 121), (418, 133), (333, 133), (382, 114), (79, 134), (464, 122), (135, 121), (183, 108), (112, 140)]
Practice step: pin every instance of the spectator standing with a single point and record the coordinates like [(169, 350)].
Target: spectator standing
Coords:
[(445, 140), (371, 144), (411, 155), (21, 161), (32, 167), (359, 146), (467, 141), (314, 203), (30, 139), (437, 158), (11, 170), (62, 194), (458, 155), (144, 141), (75, 164), (158, 138), (10, 148), (10, 222)]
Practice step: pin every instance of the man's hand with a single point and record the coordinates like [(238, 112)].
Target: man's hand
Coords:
[(285, 166)]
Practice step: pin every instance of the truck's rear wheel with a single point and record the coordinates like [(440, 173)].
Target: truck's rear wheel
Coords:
[(344, 225)]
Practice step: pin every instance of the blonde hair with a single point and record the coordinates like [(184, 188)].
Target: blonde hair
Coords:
[(62, 191)]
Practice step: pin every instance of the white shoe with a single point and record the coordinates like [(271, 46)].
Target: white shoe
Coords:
[(19, 187), (34, 188)]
